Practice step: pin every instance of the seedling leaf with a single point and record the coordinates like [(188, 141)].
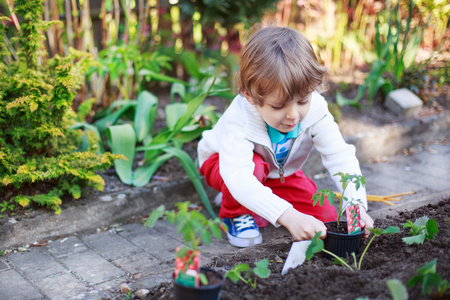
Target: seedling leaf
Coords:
[(431, 228), (391, 229), (315, 246), (261, 270), (206, 236), (235, 273), (422, 228), (154, 216), (418, 239), (398, 290)]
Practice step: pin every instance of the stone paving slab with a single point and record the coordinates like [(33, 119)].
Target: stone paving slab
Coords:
[(38, 264), (16, 287), (91, 267)]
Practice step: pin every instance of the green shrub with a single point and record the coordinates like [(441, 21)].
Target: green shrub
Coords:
[(39, 160)]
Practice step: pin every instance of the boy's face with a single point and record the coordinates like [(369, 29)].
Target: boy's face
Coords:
[(281, 115)]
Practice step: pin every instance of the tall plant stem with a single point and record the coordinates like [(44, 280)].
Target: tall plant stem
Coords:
[(365, 250)]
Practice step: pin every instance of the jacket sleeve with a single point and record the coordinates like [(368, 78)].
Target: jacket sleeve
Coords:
[(337, 155)]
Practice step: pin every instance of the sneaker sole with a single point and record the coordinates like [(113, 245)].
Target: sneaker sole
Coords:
[(244, 242)]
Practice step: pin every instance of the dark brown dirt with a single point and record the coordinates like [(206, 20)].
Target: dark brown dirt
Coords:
[(388, 257)]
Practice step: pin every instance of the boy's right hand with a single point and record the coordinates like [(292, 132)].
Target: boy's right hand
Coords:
[(302, 226)]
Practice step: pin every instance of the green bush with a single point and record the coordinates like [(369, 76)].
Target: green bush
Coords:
[(39, 157)]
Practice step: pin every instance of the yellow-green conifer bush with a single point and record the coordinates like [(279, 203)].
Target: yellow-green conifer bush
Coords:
[(40, 160)]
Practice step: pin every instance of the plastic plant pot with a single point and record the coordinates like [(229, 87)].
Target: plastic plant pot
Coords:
[(343, 245), (208, 292)]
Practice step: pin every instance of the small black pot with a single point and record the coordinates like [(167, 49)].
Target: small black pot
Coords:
[(342, 245), (209, 292)]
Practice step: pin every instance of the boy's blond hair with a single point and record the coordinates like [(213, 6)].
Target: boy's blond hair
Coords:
[(278, 58)]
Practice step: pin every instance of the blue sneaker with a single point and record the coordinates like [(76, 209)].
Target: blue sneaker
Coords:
[(243, 231)]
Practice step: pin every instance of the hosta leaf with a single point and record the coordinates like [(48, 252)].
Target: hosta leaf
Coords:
[(142, 119), (123, 141)]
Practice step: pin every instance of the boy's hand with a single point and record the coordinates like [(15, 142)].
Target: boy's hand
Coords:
[(366, 221), (302, 226)]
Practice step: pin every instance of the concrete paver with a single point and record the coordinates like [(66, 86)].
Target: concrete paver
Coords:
[(16, 287)]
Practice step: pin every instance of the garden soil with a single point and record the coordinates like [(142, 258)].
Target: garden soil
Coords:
[(388, 257)]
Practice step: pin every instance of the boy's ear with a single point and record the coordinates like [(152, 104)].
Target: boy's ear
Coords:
[(249, 98)]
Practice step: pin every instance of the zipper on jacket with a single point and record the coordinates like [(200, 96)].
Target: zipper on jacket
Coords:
[(281, 172), (281, 166)]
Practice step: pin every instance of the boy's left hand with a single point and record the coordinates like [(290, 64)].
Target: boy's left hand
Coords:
[(366, 221)]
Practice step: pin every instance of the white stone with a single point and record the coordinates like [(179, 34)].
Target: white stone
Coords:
[(403, 102), (142, 293)]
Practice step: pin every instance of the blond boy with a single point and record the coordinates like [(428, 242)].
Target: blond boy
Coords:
[(255, 152)]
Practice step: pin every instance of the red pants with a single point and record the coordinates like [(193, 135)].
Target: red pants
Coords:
[(297, 190)]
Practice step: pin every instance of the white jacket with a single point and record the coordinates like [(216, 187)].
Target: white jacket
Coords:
[(241, 131)]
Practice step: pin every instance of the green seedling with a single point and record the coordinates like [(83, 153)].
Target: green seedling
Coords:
[(397, 289), (317, 246), (261, 270), (192, 225), (346, 179), (421, 229), (432, 283)]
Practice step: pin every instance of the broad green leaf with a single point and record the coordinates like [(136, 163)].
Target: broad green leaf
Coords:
[(177, 88), (261, 270), (418, 239), (142, 119), (144, 173), (192, 107), (421, 222), (241, 268), (315, 246), (123, 141), (391, 229), (330, 197), (376, 231), (432, 228), (112, 118), (430, 281), (342, 101), (397, 289), (206, 236), (151, 147), (174, 112), (187, 136), (215, 230), (92, 128), (193, 174)]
